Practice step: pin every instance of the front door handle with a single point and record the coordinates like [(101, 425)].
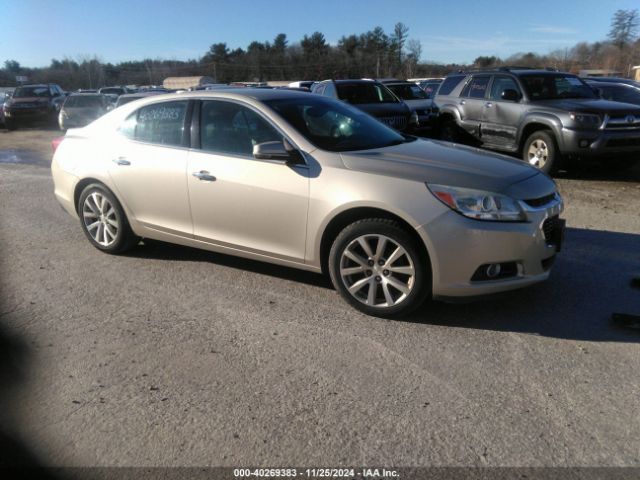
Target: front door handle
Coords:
[(121, 161), (488, 104), (204, 175)]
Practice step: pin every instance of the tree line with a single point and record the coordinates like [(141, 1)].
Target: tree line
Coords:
[(372, 54)]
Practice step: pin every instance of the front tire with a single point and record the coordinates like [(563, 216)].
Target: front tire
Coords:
[(103, 220), (541, 151), (377, 267), (449, 131)]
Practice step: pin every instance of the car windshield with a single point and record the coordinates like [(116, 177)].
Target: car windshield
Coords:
[(407, 91), (83, 101), (360, 93), (620, 93), (555, 86), (334, 126), (116, 91), (23, 92)]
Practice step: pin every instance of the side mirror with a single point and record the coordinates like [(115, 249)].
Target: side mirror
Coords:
[(282, 151), (510, 95)]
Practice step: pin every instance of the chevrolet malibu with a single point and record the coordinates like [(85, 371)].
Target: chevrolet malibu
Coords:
[(311, 183)]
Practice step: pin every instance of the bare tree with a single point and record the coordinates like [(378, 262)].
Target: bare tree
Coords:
[(624, 27)]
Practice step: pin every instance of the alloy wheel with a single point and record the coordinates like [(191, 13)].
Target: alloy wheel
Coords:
[(100, 219), (377, 271)]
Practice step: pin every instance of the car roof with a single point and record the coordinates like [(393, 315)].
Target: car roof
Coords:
[(260, 94), (353, 81)]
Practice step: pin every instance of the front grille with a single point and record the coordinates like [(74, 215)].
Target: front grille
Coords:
[(539, 202), (397, 122), (623, 122), (550, 226), (623, 142)]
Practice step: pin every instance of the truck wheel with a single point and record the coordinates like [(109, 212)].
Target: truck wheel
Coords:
[(540, 150)]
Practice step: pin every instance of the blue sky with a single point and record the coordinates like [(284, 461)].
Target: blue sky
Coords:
[(35, 31)]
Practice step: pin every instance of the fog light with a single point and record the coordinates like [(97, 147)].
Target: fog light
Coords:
[(493, 270)]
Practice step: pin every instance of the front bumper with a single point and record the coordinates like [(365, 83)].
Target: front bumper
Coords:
[(459, 246), (600, 143), (27, 113)]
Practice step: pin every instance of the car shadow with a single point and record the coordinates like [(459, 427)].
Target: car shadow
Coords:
[(158, 250), (590, 281), (600, 172)]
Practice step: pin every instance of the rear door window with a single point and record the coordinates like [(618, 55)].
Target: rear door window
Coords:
[(477, 87), (159, 123), (500, 84)]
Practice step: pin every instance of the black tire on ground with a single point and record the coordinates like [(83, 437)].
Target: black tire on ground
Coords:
[(103, 220), (383, 283), (541, 150), (10, 124), (449, 131)]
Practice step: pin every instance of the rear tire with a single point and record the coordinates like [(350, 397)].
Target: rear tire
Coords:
[(377, 267), (10, 124), (449, 131), (103, 220)]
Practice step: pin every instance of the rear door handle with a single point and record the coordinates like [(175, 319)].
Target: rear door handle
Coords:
[(121, 161), (462, 102), (204, 175), (488, 104)]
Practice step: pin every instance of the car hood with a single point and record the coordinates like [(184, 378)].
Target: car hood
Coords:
[(83, 112), (445, 163), (592, 105), (383, 109), (419, 104)]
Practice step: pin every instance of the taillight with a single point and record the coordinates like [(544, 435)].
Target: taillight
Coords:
[(55, 143)]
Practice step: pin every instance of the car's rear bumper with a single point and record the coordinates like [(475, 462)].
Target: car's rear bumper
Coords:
[(64, 184), (461, 247)]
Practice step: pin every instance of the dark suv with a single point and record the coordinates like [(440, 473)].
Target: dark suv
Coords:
[(31, 103), (371, 97), (547, 117)]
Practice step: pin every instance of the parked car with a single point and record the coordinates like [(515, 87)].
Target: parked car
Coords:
[(430, 86), (130, 97), (113, 92), (371, 97), (4, 96), (80, 109), (301, 84), (626, 81), (549, 118), (33, 103), (311, 183), (418, 102), (617, 92)]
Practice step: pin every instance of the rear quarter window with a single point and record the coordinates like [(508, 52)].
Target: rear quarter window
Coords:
[(449, 84)]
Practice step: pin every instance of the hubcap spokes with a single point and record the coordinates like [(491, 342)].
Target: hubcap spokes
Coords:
[(100, 219), (377, 271), (538, 153)]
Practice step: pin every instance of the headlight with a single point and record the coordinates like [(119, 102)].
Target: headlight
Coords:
[(478, 204), (586, 119)]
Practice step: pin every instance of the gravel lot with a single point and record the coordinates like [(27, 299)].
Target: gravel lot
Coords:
[(174, 356)]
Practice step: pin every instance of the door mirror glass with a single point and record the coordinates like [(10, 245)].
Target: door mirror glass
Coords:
[(510, 95)]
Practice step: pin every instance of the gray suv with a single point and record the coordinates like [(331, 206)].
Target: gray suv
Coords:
[(549, 118)]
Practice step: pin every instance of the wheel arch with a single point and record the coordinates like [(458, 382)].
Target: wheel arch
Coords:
[(351, 215), (537, 123)]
